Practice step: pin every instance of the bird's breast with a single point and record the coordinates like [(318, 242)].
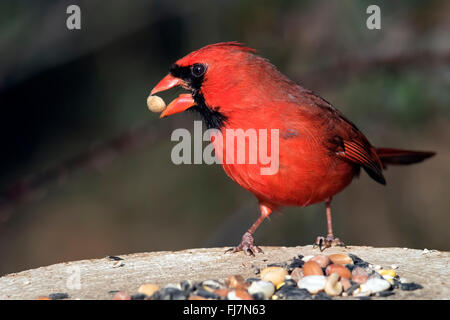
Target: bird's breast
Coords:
[(292, 167)]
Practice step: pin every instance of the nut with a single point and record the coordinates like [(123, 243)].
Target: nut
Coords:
[(388, 272), (194, 297), (148, 289), (346, 284), (322, 260), (359, 275), (339, 269), (275, 275), (333, 287), (340, 258), (122, 295), (297, 274), (312, 268), (223, 292), (239, 294), (155, 104), (237, 282)]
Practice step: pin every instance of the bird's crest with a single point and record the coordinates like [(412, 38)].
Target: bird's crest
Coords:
[(231, 44)]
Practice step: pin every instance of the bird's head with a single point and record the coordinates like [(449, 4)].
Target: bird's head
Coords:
[(221, 79)]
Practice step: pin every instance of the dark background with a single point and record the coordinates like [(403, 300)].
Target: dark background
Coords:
[(70, 193)]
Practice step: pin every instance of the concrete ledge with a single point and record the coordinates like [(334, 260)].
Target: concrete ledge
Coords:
[(97, 277)]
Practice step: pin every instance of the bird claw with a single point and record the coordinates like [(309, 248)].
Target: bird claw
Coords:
[(327, 242), (247, 246)]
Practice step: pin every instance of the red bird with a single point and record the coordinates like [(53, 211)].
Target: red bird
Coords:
[(320, 150)]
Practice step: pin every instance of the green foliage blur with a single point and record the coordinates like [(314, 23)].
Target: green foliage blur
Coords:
[(64, 92)]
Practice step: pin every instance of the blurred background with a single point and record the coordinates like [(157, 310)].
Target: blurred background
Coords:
[(85, 168)]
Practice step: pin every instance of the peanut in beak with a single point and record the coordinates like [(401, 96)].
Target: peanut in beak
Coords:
[(156, 104)]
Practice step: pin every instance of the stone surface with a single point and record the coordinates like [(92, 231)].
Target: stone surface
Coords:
[(99, 279)]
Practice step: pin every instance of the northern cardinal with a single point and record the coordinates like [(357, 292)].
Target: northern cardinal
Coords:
[(320, 150)]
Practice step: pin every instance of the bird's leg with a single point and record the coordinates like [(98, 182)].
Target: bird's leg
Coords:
[(247, 244), (329, 240)]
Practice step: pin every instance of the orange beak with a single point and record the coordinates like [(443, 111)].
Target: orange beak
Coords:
[(180, 104)]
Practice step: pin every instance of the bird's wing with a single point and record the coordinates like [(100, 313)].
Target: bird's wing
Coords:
[(361, 155), (348, 142), (355, 147)]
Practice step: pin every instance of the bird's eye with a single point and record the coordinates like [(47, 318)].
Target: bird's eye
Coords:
[(198, 70)]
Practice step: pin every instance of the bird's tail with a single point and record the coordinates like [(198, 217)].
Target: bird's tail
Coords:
[(390, 156)]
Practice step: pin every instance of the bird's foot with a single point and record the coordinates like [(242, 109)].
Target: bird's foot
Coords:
[(247, 245), (327, 242)]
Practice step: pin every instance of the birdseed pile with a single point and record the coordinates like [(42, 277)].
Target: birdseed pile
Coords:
[(301, 278)]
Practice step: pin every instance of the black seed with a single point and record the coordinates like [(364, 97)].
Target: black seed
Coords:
[(396, 284), (290, 283), (206, 294), (197, 286), (114, 258), (113, 291), (322, 296), (386, 293), (298, 294), (299, 297), (170, 293), (138, 296), (296, 263), (358, 262), (212, 285), (58, 296), (258, 296), (293, 293), (179, 296), (186, 286), (298, 290), (170, 290), (352, 288), (278, 264), (410, 286), (250, 280), (157, 295)]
